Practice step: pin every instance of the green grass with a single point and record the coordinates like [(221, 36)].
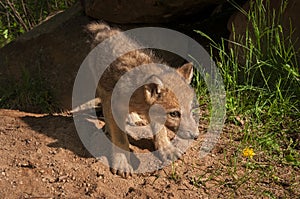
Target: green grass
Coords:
[(262, 82), (30, 93), (17, 17)]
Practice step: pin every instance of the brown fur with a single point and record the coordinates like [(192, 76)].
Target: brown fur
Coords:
[(154, 93)]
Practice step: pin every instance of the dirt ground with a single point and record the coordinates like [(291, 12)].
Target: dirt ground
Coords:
[(43, 157)]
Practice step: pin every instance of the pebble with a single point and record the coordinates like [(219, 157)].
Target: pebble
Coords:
[(61, 178)]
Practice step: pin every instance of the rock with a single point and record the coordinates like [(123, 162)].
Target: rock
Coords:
[(146, 11), (52, 51), (291, 14), (55, 49)]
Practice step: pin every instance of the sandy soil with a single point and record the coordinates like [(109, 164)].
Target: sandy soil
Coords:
[(43, 157)]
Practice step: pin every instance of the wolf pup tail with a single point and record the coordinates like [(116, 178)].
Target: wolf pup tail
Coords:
[(100, 32)]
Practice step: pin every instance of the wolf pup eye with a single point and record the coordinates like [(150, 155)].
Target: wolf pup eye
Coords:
[(175, 114)]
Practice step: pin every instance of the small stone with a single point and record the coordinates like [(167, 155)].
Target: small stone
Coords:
[(61, 178), (100, 175), (27, 141), (51, 179)]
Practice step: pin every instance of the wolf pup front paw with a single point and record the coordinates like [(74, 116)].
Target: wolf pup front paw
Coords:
[(169, 153), (121, 166)]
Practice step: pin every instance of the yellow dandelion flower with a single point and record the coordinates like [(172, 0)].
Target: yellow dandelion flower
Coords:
[(248, 152)]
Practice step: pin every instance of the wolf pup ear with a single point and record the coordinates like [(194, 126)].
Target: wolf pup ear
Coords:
[(186, 71), (153, 89)]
